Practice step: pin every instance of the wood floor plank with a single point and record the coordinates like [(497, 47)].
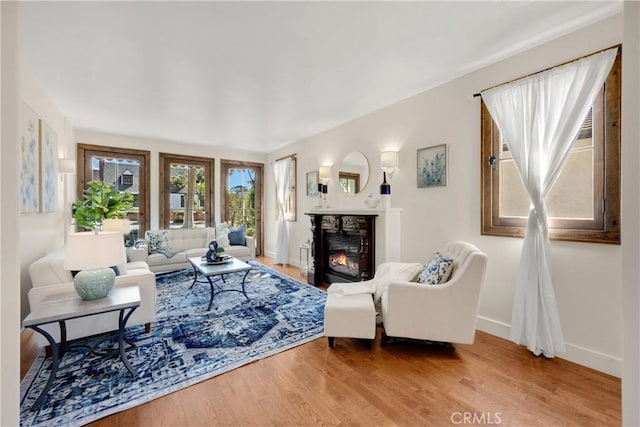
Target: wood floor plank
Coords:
[(403, 384)]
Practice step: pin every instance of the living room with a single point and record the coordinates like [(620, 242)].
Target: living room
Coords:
[(597, 302)]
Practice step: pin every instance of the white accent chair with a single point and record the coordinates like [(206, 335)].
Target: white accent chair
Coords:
[(444, 313)]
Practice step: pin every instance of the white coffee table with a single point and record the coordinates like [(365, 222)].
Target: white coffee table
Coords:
[(234, 265), (68, 305)]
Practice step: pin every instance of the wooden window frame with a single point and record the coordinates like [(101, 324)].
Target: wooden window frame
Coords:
[(143, 156), (607, 193)]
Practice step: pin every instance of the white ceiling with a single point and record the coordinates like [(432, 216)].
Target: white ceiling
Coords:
[(259, 75)]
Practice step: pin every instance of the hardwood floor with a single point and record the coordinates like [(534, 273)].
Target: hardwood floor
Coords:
[(492, 381)]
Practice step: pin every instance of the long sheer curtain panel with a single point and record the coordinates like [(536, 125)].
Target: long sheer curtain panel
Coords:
[(540, 116), (282, 172)]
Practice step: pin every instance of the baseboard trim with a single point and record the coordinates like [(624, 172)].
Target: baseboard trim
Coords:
[(590, 358), (292, 261)]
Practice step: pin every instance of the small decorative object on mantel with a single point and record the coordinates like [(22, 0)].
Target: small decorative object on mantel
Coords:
[(385, 191), (320, 204), (325, 190), (370, 202)]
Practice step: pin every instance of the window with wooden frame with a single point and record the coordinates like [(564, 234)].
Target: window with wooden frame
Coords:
[(186, 191), (584, 203), (124, 169)]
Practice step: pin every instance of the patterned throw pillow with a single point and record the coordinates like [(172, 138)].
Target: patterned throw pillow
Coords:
[(222, 234), (237, 235), (158, 240), (437, 270)]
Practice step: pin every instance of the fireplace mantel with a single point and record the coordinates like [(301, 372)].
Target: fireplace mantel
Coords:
[(386, 234)]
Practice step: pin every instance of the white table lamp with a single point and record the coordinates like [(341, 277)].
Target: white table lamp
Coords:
[(93, 255)]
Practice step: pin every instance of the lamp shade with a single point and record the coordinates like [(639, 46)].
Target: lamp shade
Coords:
[(324, 172), (88, 250), (389, 159), (67, 166)]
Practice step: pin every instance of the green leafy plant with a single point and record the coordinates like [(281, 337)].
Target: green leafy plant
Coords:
[(100, 202)]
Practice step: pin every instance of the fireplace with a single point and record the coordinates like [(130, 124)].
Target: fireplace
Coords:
[(343, 248)]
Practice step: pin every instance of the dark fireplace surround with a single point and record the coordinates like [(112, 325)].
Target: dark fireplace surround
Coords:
[(343, 248)]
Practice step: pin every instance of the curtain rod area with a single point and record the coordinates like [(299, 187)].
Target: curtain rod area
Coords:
[(618, 46)]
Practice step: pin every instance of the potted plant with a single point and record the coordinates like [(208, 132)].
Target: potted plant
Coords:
[(99, 202)]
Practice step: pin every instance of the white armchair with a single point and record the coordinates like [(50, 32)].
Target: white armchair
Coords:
[(445, 312)]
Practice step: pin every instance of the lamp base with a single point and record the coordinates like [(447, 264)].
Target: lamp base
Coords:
[(94, 284)]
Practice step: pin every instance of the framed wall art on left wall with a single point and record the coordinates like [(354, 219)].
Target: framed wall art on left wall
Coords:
[(29, 160)]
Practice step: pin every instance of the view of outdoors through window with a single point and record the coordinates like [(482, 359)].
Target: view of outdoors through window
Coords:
[(242, 194), (187, 196), (122, 175)]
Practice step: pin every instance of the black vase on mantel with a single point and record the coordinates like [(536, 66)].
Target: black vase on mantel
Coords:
[(385, 191)]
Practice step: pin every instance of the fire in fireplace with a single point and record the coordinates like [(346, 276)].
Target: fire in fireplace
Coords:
[(341, 262), (343, 255)]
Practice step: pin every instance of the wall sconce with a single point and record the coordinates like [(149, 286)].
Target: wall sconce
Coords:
[(389, 162), (67, 166), (324, 173)]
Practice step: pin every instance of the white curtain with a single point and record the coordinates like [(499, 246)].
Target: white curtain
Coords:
[(540, 116), (282, 172)]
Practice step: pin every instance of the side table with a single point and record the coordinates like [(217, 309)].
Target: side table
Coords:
[(66, 306)]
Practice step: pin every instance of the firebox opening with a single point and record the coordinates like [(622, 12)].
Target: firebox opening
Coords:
[(343, 256), (344, 262)]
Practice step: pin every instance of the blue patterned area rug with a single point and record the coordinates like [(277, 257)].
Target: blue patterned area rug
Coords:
[(186, 345)]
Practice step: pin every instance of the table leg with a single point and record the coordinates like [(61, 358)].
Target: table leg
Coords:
[(195, 276), (63, 338), (54, 363), (243, 279), (122, 321), (212, 292)]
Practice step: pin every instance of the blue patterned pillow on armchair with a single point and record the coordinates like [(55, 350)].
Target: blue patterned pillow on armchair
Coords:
[(437, 270)]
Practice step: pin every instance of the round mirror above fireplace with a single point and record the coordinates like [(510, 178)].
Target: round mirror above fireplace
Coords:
[(354, 173)]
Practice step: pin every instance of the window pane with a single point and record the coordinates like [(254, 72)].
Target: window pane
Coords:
[(572, 194), (514, 200), (123, 175), (242, 199), (187, 196)]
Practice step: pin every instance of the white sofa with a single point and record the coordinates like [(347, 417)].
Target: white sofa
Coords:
[(48, 278), (446, 312), (185, 243)]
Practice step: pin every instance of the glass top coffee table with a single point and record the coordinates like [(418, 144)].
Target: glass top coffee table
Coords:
[(210, 272)]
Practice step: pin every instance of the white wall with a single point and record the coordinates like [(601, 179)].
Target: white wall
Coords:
[(9, 236), (630, 214), (156, 146), (587, 277)]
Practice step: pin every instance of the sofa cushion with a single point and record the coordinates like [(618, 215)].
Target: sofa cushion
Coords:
[(181, 239), (437, 270), (222, 234), (158, 240), (161, 259), (237, 235)]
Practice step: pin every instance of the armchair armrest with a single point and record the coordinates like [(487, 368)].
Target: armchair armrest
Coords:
[(251, 244), (137, 254)]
